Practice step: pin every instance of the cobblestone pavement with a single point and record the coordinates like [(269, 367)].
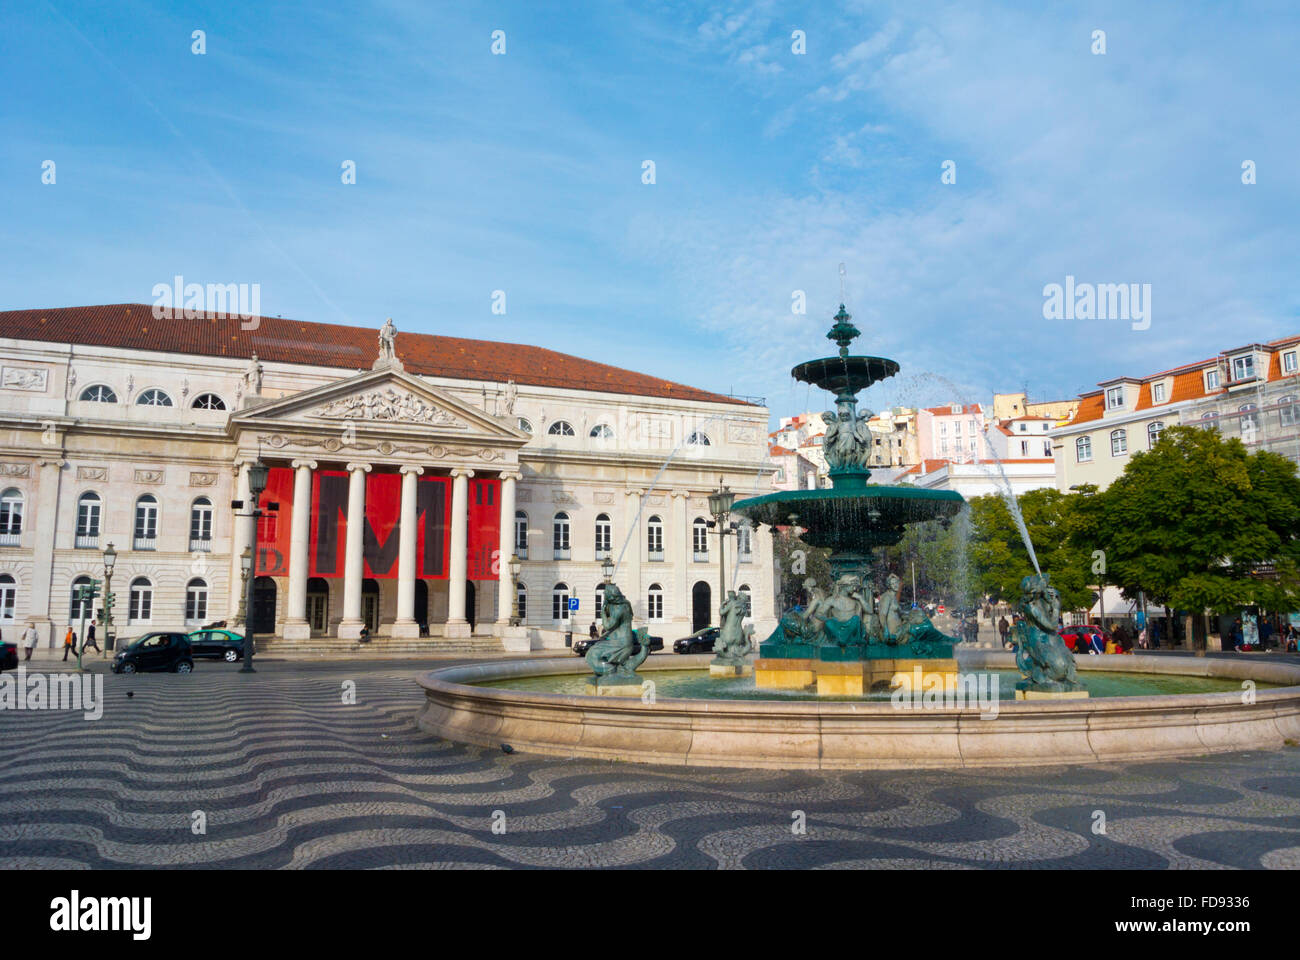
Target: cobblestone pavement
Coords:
[(288, 775)]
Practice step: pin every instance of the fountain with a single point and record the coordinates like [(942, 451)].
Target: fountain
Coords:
[(840, 643)]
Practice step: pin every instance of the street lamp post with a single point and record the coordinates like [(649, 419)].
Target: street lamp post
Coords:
[(720, 502), (514, 589), (607, 569), (257, 474), (110, 560)]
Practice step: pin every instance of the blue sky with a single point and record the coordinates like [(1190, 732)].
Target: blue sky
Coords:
[(523, 172)]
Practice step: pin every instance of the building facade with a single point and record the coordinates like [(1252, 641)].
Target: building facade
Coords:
[(454, 453), (1251, 392)]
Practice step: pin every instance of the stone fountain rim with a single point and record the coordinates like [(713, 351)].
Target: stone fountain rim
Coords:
[(879, 491), (793, 735)]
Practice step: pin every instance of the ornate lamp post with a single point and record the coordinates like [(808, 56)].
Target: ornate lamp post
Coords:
[(110, 559), (720, 502), (257, 474), (245, 565), (607, 569), (514, 589)]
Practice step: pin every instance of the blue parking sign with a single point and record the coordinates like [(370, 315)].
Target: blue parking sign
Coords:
[(573, 603)]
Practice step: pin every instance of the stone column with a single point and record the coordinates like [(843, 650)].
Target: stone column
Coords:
[(406, 625), (241, 536), (679, 543), (49, 476), (505, 586), (296, 626), (457, 624), (628, 577), (354, 567)]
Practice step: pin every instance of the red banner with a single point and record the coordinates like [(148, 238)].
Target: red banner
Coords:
[(484, 528)]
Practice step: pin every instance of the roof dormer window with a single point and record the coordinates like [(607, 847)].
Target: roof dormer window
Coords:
[(1211, 380), (1243, 367), (1158, 393), (1115, 398)]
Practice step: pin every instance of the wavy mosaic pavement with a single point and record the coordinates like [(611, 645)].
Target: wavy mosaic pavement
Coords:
[(288, 775)]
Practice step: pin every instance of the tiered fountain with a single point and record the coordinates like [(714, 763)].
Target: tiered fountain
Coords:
[(840, 642)]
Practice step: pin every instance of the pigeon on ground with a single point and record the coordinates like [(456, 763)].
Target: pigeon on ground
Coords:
[(506, 748)]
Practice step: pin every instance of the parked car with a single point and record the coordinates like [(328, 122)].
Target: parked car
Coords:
[(217, 644), (8, 656), (1077, 638), (156, 652), (701, 641), (583, 644)]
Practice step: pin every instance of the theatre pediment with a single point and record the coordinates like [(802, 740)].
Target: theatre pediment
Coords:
[(380, 402)]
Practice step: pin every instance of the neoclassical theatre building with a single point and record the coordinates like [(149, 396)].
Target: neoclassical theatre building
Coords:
[(404, 470)]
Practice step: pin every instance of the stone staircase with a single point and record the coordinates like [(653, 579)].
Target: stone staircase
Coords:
[(379, 646)]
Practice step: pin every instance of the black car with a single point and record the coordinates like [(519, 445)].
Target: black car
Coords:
[(156, 652), (580, 647), (8, 656), (217, 644), (701, 641)]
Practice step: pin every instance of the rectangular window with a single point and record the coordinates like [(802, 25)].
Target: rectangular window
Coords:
[(1047, 448), (1243, 368), (1083, 449), (943, 429), (1024, 448), (1115, 398), (1211, 379), (1289, 362), (1158, 393)]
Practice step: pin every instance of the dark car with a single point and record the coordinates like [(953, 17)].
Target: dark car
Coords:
[(217, 645), (701, 641), (580, 647), (156, 652), (8, 656)]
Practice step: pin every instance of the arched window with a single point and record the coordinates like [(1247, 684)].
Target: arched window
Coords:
[(1288, 412), (654, 539), (604, 536), (1249, 420), (602, 431), (146, 522), (654, 602), (201, 525), (8, 596), (743, 592), (698, 438), (600, 600), (560, 536), (153, 398), (1118, 443), (1083, 449), (560, 428), (1209, 421), (521, 535), (560, 602), (11, 517), (745, 541), (525, 426), (79, 608), (196, 601), (208, 401), (521, 592), (700, 539), (1153, 432), (88, 520), (140, 601), (99, 393)]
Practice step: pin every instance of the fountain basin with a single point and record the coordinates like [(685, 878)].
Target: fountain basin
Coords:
[(859, 518), (845, 376), (857, 734)]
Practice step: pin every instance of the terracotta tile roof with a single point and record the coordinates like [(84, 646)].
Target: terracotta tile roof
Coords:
[(132, 326), (946, 411), (1091, 407)]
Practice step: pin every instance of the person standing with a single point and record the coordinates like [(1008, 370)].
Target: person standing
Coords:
[(90, 639), (1004, 628), (69, 643), (593, 631), (29, 640)]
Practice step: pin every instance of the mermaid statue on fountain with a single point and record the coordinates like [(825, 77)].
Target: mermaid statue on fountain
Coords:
[(616, 655), (1041, 654)]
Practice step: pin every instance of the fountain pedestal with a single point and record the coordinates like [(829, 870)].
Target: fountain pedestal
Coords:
[(614, 686), (857, 677), (730, 669)]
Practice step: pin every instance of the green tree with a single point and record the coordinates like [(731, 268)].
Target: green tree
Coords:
[(936, 552), (1000, 558), (1199, 522), (795, 562)]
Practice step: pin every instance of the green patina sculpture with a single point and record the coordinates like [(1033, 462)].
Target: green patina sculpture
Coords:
[(1041, 655), (619, 651), (732, 646)]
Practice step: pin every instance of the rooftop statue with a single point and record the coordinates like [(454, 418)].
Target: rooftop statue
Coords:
[(1041, 654)]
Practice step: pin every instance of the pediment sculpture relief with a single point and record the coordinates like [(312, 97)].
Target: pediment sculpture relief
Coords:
[(386, 405)]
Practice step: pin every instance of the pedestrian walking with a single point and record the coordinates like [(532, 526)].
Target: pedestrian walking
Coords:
[(1004, 628), (592, 632), (90, 639), (69, 644), (29, 640)]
